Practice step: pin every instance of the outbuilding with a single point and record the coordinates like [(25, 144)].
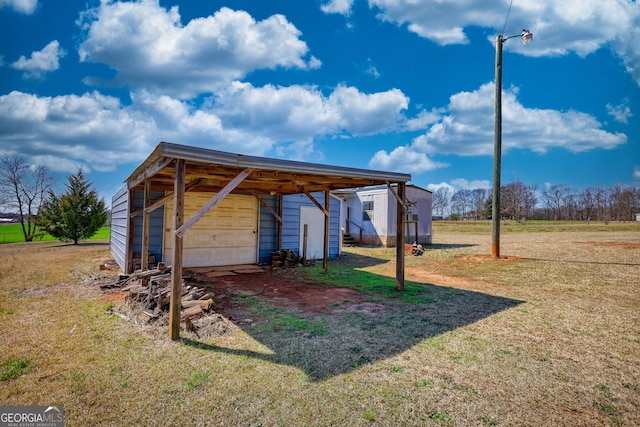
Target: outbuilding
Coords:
[(190, 206), (369, 217)]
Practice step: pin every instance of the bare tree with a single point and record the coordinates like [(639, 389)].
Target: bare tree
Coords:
[(553, 198), (462, 203), (23, 188), (479, 196), (441, 200)]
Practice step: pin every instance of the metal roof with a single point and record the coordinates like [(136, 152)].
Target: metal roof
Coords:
[(211, 170)]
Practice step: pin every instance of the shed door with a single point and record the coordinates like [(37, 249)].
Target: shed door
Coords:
[(227, 235), (314, 218)]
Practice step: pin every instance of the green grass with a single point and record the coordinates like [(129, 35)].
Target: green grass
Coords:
[(14, 368), (12, 233), (345, 274), (276, 320)]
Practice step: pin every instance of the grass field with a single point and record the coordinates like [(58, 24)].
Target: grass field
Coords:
[(12, 233), (547, 336)]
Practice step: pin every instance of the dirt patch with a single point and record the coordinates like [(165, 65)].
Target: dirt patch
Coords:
[(281, 288), (615, 244)]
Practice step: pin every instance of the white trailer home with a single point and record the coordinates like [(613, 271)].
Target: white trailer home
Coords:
[(369, 215)]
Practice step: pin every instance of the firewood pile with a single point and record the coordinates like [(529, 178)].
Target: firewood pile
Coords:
[(285, 258), (150, 291)]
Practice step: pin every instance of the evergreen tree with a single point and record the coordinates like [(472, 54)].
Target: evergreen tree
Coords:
[(75, 215)]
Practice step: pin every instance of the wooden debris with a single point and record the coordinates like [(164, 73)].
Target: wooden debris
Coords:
[(150, 290), (285, 258)]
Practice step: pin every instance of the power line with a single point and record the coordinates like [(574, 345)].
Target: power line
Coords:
[(507, 18)]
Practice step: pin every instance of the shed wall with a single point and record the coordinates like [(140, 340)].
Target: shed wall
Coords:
[(291, 222), (119, 224), (268, 230), (156, 225)]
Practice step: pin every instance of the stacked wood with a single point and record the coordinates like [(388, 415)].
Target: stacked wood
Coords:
[(124, 280), (285, 258), (137, 260), (154, 298)]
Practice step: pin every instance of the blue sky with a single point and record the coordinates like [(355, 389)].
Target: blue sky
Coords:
[(402, 85)]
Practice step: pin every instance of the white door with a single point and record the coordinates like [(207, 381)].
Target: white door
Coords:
[(314, 218), (227, 235)]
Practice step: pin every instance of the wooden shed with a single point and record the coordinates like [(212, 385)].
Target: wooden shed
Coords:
[(190, 206)]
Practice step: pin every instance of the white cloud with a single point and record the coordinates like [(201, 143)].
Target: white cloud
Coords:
[(23, 6), (97, 132), (404, 159), (559, 27), (302, 112), (150, 48), (435, 187), (464, 184), (342, 7), (620, 113), (636, 173), (91, 130), (42, 61), (466, 129), (424, 119)]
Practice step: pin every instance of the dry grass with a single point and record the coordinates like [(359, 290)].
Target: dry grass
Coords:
[(549, 336)]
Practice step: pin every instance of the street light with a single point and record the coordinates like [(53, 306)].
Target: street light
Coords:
[(526, 37)]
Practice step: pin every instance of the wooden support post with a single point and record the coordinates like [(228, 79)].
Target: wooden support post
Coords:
[(280, 212), (146, 217), (183, 228), (176, 256), (305, 236), (325, 256), (400, 237)]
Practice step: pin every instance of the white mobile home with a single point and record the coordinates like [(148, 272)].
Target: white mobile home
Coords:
[(369, 216)]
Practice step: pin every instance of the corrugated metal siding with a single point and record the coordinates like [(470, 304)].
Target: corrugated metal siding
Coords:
[(156, 226), (268, 231), (291, 222), (381, 230), (119, 223), (376, 230), (423, 209)]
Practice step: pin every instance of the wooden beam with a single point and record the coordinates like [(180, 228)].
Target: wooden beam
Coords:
[(163, 200), (182, 230), (325, 255), (400, 237), (176, 256), (315, 202), (398, 198), (280, 213), (144, 255), (263, 203), (152, 170)]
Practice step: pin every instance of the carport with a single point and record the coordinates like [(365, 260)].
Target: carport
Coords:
[(178, 169)]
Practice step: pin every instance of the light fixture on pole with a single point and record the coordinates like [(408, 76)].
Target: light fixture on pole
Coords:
[(526, 37)]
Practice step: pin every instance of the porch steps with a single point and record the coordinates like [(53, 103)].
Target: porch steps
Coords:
[(348, 240)]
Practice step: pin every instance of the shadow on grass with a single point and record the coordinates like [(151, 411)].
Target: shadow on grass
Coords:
[(385, 323)]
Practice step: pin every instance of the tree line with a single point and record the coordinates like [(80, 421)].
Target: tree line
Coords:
[(28, 192), (556, 202)]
